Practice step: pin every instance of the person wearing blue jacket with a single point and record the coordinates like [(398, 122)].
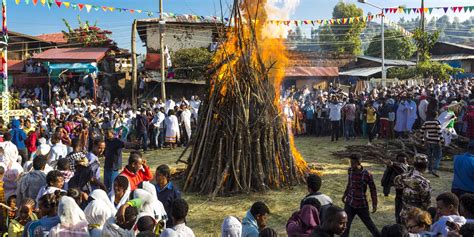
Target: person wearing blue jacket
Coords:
[(463, 178), (255, 220), (18, 138)]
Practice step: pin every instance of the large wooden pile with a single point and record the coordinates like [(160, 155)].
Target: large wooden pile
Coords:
[(242, 142), (380, 152)]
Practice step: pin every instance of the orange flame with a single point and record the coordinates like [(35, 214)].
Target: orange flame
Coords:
[(271, 51)]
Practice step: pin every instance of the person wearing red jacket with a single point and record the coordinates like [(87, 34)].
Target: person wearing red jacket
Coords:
[(136, 171)]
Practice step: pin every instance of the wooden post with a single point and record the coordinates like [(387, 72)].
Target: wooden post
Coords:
[(134, 65)]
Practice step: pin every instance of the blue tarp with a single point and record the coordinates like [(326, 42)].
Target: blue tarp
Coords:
[(54, 69)]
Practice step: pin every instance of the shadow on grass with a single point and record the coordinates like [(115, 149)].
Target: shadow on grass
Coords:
[(205, 216)]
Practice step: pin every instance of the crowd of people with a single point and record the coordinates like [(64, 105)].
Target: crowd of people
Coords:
[(61, 168)]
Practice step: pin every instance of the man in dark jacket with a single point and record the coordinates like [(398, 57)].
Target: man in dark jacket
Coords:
[(141, 124), (165, 189)]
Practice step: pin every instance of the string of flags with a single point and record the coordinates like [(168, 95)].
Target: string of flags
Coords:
[(89, 7), (429, 10), (338, 21)]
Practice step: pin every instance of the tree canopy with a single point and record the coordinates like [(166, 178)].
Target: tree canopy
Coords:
[(346, 37), (397, 46)]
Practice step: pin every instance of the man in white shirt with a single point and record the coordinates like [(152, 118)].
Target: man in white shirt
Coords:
[(447, 205), (335, 116), (58, 151), (194, 103), (10, 150), (422, 108), (169, 104), (158, 127)]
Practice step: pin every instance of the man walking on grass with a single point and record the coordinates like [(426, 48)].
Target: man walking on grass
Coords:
[(355, 199)]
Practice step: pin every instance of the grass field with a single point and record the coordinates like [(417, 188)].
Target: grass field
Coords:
[(205, 216)]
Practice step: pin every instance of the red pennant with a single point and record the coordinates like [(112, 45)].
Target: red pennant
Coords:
[(35, 2), (80, 5), (104, 8), (460, 9), (420, 10), (131, 11), (59, 3)]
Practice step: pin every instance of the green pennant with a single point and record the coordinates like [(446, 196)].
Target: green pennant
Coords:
[(471, 9), (50, 3), (74, 6), (119, 9), (96, 8), (430, 10), (27, 2), (409, 10), (466, 8)]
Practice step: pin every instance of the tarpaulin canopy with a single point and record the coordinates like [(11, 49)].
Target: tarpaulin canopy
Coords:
[(55, 69)]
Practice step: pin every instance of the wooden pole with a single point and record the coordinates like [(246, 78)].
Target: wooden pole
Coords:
[(134, 65), (162, 49)]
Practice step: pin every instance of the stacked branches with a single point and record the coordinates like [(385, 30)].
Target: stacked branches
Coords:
[(242, 142)]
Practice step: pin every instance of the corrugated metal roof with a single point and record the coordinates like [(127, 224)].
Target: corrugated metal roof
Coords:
[(457, 45), (451, 57), (57, 38), (312, 72), (15, 65), (72, 55), (363, 72), (389, 62)]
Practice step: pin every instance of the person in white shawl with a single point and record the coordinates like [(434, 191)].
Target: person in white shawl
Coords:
[(172, 129), (98, 211), (120, 192), (186, 119), (151, 205), (121, 225), (231, 227), (73, 220)]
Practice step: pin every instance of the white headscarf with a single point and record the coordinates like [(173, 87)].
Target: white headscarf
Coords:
[(99, 210), (73, 220), (231, 227), (151, 204), (112, 230), (124, 198)]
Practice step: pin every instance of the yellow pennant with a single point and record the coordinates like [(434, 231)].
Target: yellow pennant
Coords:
[(88, 7), (43, 2), (67, 4), (425, 10), (111, 9), (17, 2)]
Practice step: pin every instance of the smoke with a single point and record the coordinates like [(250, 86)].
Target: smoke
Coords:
[(279, 9)]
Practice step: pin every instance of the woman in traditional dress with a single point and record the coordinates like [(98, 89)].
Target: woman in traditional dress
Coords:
[(172, 129)]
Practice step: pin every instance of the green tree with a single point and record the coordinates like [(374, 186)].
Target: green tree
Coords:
[(87, 35), (437, 70), (191, 63), (424, 43), (346, 36), (397, 46)]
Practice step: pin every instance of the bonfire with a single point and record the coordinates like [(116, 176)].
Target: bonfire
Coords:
[(242, 142)]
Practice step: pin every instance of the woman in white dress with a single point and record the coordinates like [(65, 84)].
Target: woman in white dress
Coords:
[(172, 129)]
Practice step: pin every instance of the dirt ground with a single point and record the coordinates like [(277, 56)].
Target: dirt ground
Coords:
[(205, 216)]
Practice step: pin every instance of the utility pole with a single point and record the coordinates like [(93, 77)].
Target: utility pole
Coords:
[(162, 49), (423, 15), (384, 72), (134, 65)]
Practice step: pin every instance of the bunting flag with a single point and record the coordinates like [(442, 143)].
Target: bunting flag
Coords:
[(27, 2), (35, 2), (429, 10), (88, 7), (43, 2), (67, 4), (58, 3), (17, 2), (80, 6)]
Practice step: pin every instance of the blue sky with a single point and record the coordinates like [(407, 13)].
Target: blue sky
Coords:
[(33, 20)]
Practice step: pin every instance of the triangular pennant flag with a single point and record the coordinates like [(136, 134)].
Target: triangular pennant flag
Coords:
[(331, 22), (415, 10), (67, 4), (80, 5), (357, 19), (50, 3), (425, 10), (471, 9), (104, 8), (58, 3), (351, 20), (296, 23), (120, 10), (131, 11), (312, 22), (460, 9), (406, 10), (420, 10), (111, 9), (17, 2), (386, 10), (139, 11), (43, 2), (430, 10), (400, 10), (466, 9), (88, 7), (96, 8), (409, 10), (319, 21), (338, 21), (74, 6), (454, 9)]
